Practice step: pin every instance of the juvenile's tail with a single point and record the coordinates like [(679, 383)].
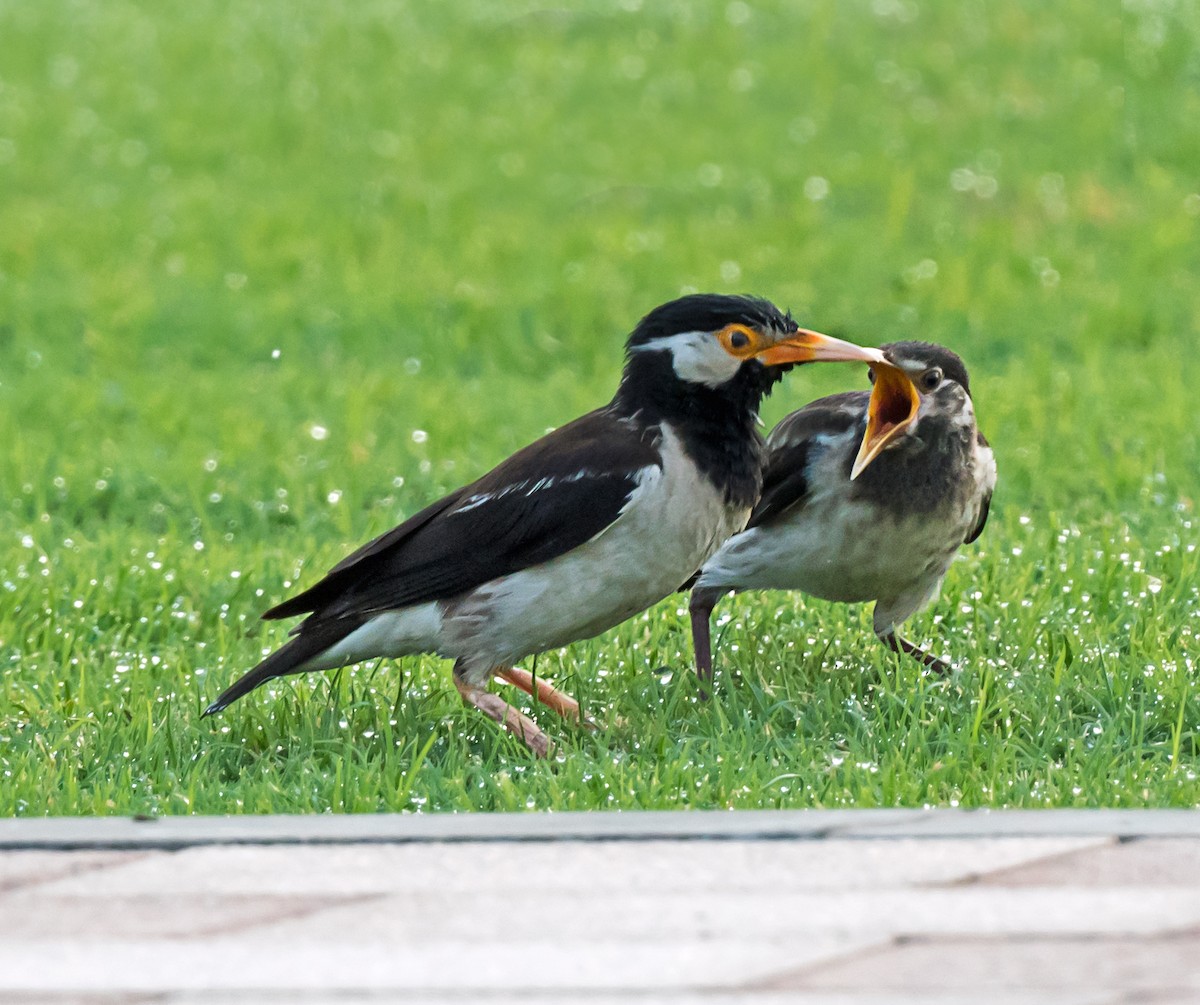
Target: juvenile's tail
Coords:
[(314, 638)]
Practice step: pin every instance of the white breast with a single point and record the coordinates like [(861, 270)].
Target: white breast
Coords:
[(839, 549), (673, 522)]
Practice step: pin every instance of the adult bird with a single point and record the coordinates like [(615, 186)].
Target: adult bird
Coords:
[(866, 497), (582, 529)]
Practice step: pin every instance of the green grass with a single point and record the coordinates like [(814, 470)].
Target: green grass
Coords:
[(248, 251)]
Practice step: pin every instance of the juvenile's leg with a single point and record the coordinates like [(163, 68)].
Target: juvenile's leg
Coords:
[(901, 645), (700, 608)]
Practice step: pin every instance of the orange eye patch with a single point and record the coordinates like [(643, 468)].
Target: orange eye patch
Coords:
[(741, 341)]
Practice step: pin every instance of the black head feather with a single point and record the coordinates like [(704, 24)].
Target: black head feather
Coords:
[(931, 355), (709, 312), (717, 424)]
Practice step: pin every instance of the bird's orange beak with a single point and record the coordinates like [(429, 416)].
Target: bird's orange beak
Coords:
[(892, 409), (805, 346)]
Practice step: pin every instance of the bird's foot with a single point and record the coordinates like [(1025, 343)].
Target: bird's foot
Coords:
[(517, 723), (901, 645), (936, 664), (546, 694)]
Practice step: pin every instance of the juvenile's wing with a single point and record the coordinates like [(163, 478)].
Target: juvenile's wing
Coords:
[(544, 501), (987, 497), (794, 443), (982, 522)]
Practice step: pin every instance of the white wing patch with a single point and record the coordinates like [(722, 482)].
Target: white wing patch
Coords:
[(525, 487)]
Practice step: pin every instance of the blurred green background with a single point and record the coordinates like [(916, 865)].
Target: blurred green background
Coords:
[(273, 275)]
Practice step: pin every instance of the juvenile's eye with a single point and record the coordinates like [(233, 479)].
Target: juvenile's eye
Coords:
[(871, 374), (931, 378)]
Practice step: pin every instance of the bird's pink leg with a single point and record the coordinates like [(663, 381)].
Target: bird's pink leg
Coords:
[(495, 707), (545, 692)]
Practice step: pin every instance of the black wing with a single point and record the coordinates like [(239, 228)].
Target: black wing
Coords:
[(792, 444), (542, 502)]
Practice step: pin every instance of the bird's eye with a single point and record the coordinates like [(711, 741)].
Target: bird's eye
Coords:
[(739, 340), (871, 374), (931, 378)]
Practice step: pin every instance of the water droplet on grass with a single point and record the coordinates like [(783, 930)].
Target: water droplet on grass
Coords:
[(816, 188)]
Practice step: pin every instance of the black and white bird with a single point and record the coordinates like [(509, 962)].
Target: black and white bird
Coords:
[(866, 496), (582, 529)]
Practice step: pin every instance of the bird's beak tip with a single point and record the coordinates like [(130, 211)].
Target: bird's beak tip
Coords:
[(805, 346), (892, 410)]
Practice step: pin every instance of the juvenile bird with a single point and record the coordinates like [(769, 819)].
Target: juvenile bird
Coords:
[(866, 496), (582, 529)]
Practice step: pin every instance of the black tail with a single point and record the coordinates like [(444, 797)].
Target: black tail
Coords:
[(314, 638)]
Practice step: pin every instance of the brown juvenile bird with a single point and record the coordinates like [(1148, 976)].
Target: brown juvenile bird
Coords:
[(582, 529), (866, 497)]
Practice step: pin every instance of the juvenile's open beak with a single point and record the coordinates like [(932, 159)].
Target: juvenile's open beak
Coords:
[(892, 409), (805, 346)]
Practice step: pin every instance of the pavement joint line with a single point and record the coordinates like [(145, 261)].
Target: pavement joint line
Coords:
[(175, 833)]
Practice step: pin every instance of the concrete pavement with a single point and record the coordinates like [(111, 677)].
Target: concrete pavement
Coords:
[(846, 907)]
